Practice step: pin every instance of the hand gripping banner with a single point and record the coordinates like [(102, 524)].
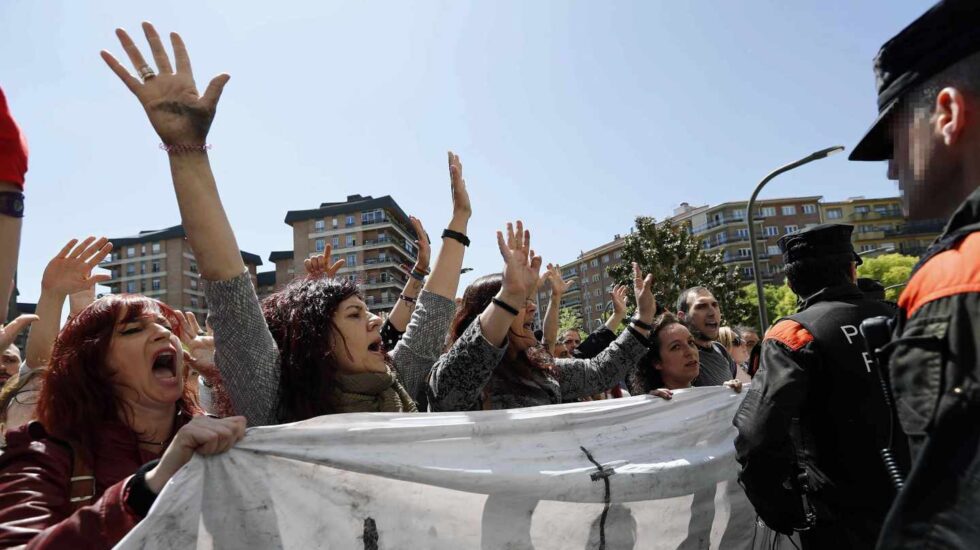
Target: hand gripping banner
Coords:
[(639, 473)]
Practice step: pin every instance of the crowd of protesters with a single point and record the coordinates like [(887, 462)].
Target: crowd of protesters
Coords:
[(100, 413)]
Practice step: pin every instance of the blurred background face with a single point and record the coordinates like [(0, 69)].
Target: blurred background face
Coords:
[(751, 340), (571, 341), (9, 363)]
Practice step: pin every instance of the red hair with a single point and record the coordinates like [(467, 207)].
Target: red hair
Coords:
[(78, 393)]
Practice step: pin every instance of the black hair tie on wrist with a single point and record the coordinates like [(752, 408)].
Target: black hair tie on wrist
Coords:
[(641, 324), (505, 306), (139, 497), (456, 236)]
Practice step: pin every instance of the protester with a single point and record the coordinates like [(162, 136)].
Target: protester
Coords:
[(672, 362), (113, 405), (18, 400), (553, 278), (928, 79), (750, 336), (13, 166), (568, 342), (698, 308), (737, 349), (815, 418), (9, 362), (494, 361)]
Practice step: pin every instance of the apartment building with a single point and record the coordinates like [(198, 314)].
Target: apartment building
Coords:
[(373, 236), (589, 294), (724, 229), (160, 264), (880, 225)]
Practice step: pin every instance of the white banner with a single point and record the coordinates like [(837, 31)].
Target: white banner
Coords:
[(516, 479)]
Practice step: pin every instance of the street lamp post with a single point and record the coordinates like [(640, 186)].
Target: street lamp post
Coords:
[(823, 153)]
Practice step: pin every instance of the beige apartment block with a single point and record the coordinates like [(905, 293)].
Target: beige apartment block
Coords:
[(881, 227), (160, 264)]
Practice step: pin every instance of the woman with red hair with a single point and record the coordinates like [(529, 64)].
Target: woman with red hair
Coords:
[(116, 421)]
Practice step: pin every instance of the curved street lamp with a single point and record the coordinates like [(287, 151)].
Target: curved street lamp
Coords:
[(823, 153)]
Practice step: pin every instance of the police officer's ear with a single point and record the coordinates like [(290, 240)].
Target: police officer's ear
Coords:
[(949, 119), (854, 272)]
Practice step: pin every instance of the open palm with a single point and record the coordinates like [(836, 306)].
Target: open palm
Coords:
[(71, 270), (521, 267)]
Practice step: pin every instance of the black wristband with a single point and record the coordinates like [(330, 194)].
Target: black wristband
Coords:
[(139, 497), (456, 236), (417, 276), (641, 324), (636, 334), (12, 204), (505, 306)]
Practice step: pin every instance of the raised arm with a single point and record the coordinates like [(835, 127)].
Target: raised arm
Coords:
[(558, 288), (521, 273), (13, 166), (444, 279), (618, 295), (402, 312), (182, 119), (70, 271)]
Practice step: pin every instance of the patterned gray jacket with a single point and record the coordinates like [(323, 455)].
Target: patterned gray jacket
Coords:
[(461, 375), (248, 359)]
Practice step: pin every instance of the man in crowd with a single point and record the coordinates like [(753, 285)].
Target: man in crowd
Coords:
[(9, 362), (570, 340), (699, 309), (928, 129), (817, 400)]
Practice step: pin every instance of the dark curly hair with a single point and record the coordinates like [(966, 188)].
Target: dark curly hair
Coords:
[(644, 377), (300, 318)]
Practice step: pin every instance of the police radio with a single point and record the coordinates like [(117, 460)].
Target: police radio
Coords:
[(877, 333)]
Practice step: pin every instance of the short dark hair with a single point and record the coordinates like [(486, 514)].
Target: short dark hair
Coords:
[(963, 75), (684, 301), (810, 275)]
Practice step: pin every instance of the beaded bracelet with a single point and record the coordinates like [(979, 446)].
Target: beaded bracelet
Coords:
[(180, 148), (408, 299)]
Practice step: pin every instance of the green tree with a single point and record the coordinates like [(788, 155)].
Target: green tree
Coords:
[(889, 270), (568, 318), (780, 302), (678, 261)]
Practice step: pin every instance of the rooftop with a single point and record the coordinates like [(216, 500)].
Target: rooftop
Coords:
[(352, 204), (173, 232)]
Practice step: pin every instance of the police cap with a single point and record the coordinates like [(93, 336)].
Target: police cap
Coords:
[(818, 241), (947, 33)]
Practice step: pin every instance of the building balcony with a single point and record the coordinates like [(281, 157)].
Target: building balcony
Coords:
[(371, 284), (924, 227), (870, 235), (717, 223), (872, 215)]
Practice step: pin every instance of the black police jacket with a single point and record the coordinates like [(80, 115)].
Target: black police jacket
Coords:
[(817, 400), (935, 373)]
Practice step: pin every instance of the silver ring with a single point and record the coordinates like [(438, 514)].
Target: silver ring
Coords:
[(146, 73)]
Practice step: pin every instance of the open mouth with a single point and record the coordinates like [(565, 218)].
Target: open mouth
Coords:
[(165, 365), (711, 324), (377, 347)]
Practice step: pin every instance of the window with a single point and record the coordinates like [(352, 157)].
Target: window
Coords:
[(789, 210), (350, 221), (595, 278), (863, 209), (142, 268), (155, 267), (319, 245), (155, 284), (142, 250), (809, 209), (742, 233), (335, 223), (583, 267), (335, 242), (605, 274), (319, 226), (594, 262), (792, 229), (771, 231), (767, 211), (588, 309), (748, 272), (375, 216), (131, 287), (706, 243), (193, 283), (385, 276), (193, 266), (619, 254), (774, 251), (721, 238), (156, 248), (131, 269), (351, 260), (194, 301), (744, 252), (350, 240), (605, 258), (834, 214), (335, 258), (131, 251), (867, 247), (738, 214), (595, 293), (142, 286)]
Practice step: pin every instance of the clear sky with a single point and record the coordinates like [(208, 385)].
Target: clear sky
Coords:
[(574, 116)]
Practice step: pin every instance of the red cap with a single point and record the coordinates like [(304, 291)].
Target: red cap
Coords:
[(13, 147)]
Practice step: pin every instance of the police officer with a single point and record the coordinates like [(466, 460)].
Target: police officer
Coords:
[(928, 128), (814, 421)]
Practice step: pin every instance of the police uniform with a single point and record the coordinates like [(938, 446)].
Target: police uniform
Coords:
[(813, 423), (935, 351)]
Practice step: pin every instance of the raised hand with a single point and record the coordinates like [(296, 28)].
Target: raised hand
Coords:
[(199, 345), (646, 304), (461, 198), (177, 112), (71, 270), (320, 266), (425, 247), (521, 267), (558, 285), (619, 300), (9, 332)]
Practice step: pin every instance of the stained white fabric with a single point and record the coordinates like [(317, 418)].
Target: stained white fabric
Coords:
[(514, 479)]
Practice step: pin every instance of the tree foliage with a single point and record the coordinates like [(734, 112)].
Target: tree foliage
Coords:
[(678, 261), (889, 270), (568, 318), (780, 302)]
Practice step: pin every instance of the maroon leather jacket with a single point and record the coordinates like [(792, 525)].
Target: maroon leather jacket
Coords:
[(35, 473)]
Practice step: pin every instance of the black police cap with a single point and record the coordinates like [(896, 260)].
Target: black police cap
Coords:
[(818, 241), (947, 33)]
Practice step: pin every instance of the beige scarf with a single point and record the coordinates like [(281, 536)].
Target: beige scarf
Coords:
[(371, 392)]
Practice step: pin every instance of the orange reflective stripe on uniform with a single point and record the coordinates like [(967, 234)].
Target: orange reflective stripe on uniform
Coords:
[(955, 271), (791, 333)]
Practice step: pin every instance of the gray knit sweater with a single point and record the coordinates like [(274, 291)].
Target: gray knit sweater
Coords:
[(248, 359), (461, 375)]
